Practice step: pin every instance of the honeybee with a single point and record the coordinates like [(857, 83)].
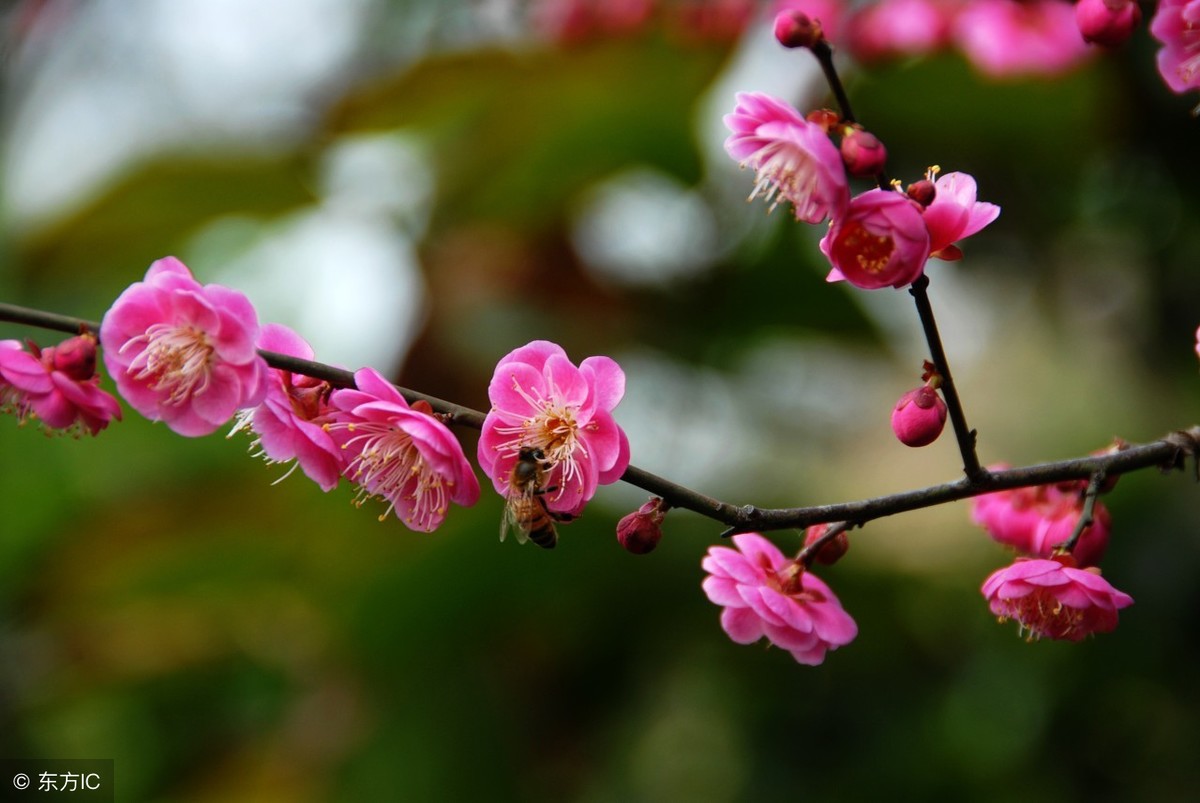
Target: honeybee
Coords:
[(525, 511)]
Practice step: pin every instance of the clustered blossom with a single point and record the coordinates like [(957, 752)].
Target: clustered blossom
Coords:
[(1176, 24), (1037, 521), (184, 353), (1054, 598), (58, 385), (762, 593), (542, 400), (400, 453), (879, 238), (290, 423)]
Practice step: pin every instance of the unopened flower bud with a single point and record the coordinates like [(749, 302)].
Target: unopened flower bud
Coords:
[(75, 357), (1107, 22), (923, 191), (863, 153), (797, 29), (831, 551), (919, 417), (640, 531)]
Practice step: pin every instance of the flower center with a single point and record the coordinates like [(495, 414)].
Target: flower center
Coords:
[(553, 429), (784, 172), (176, 360), (389, 465), (871, 252), (1041, 614)]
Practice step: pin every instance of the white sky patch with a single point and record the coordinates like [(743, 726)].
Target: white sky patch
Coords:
[(350, 286), (642, 227), (123, 80)]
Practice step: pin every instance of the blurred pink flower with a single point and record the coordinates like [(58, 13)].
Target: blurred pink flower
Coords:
[(955, 214), (569, 22), (540, 399), (765, 594), (1054, 599), (880, 241), (400, 453), (183, 353), (1108, 23), (1176, 24), (892, 28), (290, 420), (794, 159), (1036, 521), (57, 384), (1007, 38)]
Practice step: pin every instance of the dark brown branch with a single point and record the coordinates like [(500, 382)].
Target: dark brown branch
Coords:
[(1168, 453)]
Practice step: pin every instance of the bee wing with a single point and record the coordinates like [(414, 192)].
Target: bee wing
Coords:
[(510, 521)]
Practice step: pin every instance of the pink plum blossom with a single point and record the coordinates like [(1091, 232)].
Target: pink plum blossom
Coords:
[(794, 159), (57, 384), (880, 241), (1176, 24), (400, 453), (1036, 521), (1054, 599), (1007, 38), (955, 214), (765, 594), (541, 400), (184, 353), (289, 423), (1108, 23)]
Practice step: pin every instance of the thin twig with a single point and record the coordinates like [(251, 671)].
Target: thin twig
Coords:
[(962, 433)]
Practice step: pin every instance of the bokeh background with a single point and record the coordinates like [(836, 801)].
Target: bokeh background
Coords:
[(423, 186)]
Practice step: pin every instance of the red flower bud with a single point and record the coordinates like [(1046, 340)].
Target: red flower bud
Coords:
[(833, 550), (923, 191), (796, 29), (919, 417), (863, 153), (75, 357), (640, 531)]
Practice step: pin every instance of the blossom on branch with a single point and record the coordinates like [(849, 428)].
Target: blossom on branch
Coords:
[(1176, 24), (955, 214), (765, 594), (184, 353), (794, 158), (400, 453), (1054, 599), (542, 400), (57, 384), (880, 241), (290, 420), (1038, 520)]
